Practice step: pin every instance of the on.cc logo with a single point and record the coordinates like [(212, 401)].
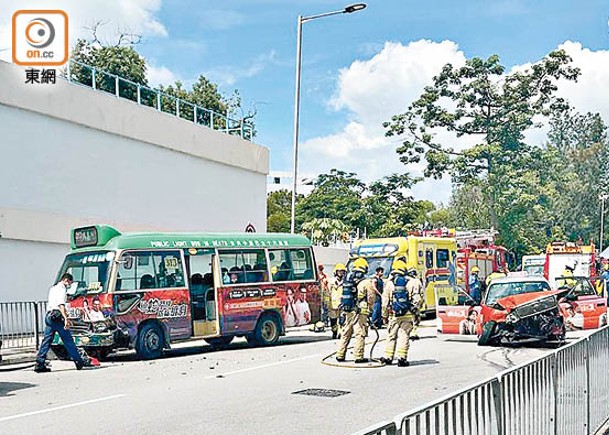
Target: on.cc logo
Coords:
[(40, 33)]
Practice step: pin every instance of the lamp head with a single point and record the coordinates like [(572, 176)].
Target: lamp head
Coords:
[(355, 7)]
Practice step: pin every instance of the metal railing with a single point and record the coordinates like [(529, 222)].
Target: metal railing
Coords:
[(86, 75), (565, 392), (22, 324)]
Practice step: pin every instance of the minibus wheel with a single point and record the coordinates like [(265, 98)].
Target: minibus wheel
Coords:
[(149, 343), (267, 330)]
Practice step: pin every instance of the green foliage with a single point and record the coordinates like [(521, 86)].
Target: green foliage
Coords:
[(119, 60), (124, 61), (324, 231), (278, 210), (502, 181), (342, 204)]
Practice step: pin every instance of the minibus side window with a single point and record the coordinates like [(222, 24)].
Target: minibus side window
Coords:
[(169, 269), (281, 265), (244, 266), (302, 264), (146, 270)]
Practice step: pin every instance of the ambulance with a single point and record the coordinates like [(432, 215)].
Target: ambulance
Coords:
[(432, 252)]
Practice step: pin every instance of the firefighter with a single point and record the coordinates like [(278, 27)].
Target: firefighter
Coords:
[(603, 280), (335, 288), (414, 284), (498, 274), (474, 285), (358, 296), (402, 300), (567, 277)]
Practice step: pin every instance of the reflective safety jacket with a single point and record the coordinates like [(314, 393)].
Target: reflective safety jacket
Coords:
[(493, 276), (366, 295), (566, 279), (336, 291)]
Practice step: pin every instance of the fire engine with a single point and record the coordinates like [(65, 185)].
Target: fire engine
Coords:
[(477, 248), (561, 254)]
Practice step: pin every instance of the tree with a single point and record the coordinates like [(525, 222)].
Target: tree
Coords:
[(478, 100), (278, 211), (324, 231), (394, 211), (119, 59), (337, 195), (580, 147), (122, 60)]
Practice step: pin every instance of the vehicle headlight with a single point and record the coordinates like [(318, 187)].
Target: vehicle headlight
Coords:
[(100, 327)]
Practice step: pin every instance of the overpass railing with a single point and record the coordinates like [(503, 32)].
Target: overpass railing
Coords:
[(565, 392), (86, 75), (21, 324)]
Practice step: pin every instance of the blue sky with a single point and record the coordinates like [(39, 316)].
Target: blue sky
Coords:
[(250, 45)]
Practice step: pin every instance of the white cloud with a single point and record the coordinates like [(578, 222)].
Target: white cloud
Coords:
[(161, 75), (372, 91), (229, 75), (133, 16), (590, 93)]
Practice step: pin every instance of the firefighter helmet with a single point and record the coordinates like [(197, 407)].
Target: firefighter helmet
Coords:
[(339, 267), (399, 266), (475, 269), (361, 265)]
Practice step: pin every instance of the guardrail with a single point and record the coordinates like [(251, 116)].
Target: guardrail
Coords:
[(86, 75), (565, 392), (22, 324)]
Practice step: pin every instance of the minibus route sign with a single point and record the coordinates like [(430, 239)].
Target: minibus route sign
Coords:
[(86, 236)]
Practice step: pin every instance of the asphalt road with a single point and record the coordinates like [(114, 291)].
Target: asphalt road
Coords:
[(242, 389)]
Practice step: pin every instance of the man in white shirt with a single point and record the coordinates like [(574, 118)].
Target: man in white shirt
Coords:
[(57, 320)]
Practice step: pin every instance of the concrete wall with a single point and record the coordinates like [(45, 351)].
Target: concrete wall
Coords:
[(72, 156), (330, 256)]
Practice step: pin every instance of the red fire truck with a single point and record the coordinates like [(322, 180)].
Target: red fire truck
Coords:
[(477, 248), (562, 254)]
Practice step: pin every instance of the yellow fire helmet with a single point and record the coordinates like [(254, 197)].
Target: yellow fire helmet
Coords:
[(475, 269), (399, 266), (360, 264), (338, 267)]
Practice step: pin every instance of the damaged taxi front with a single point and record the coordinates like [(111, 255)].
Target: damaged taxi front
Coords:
[(519, 310)]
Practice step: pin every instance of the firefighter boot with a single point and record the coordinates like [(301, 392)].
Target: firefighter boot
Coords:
[(403, 362), (386, 361)]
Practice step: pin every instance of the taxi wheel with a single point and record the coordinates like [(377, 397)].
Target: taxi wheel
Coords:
[(149, 343), (487, 332)]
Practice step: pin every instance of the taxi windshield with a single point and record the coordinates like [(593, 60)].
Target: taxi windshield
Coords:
[(501, 290), (90, 272), (374, 263)]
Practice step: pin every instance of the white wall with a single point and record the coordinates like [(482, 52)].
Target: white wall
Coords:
[(71, 156), (28, 269)]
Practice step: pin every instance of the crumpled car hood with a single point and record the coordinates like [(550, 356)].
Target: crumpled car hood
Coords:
[(511, 302)]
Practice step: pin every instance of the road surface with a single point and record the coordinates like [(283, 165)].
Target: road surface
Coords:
[(241, 389)]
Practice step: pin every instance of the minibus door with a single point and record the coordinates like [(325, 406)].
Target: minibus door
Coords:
[(203, 281)]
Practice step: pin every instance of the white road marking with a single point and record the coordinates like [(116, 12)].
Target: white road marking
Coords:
[(261, 367), (58, 408)]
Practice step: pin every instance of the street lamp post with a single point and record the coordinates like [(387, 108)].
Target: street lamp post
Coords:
[(347, 10), (602, 198)]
